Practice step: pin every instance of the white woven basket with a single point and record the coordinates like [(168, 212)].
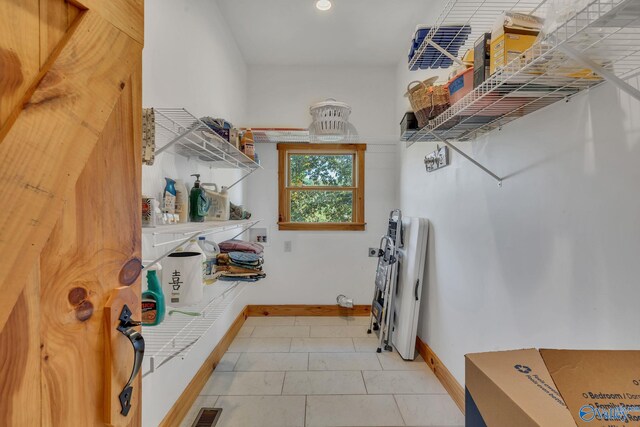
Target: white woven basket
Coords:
[(330, 117)]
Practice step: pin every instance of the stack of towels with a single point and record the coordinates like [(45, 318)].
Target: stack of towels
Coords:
[(240, 261)]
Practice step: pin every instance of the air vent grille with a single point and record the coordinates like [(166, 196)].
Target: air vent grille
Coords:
[(207, 417)]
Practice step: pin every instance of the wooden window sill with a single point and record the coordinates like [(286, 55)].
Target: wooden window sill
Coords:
[(321, 226)]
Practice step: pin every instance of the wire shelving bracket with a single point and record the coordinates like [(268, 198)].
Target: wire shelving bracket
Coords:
[(179, 332), (596, 44), (191, 231), (180, 132)]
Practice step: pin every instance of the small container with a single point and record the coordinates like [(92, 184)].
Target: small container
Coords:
[(460, 85), (169, 197), (182, 202), (182, 278), (247, 144), (153, 306), (409, 124), (211, 251), (148, 214)]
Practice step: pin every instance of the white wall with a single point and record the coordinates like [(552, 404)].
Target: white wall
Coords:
[(322, 265), (189, 60), (549, 259)]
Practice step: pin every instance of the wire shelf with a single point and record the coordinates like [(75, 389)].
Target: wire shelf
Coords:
[(190, 231), (182, 133), (178, 333), (191, 228), (457, 16), (275, 135), (605, 35)]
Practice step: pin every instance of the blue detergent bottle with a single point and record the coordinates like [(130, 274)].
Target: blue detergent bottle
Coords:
[(169, 196), (153, 306)]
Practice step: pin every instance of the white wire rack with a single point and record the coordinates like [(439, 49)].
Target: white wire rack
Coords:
[(275, 135), (457, 16), (190, 231), (197, 228), (601, 40), (178, 333), (180, 132)]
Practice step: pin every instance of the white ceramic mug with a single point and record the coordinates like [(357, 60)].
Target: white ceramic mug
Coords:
[(182, 278)]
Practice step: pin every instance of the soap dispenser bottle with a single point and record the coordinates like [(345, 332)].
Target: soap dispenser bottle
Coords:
[(153, 306), (198, 202)]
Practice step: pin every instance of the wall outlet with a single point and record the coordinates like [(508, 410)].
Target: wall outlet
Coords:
[(373, 252), (287, 246)]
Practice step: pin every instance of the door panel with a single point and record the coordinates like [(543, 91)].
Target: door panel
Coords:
[(19, 52), (20, 359), (80, 265), (56, 19), (70, 167), (47, 146)]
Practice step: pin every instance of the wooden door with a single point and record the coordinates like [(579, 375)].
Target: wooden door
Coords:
[(70, 170)]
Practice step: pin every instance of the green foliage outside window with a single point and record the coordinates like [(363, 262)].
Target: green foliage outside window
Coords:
[(321, 170)]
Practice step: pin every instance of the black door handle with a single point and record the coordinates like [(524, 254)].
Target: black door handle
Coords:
[(126, 327), (416, 290)]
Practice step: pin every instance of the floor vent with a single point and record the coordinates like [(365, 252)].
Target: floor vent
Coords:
[(207, 417)]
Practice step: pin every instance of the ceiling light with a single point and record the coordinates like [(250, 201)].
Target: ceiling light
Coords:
[(323, 5)]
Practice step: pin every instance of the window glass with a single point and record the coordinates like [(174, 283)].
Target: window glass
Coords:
[(321, 206), (321, 170)]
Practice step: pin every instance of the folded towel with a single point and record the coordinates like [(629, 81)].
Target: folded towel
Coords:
[(244, 257), (236, 269), (240, 246)]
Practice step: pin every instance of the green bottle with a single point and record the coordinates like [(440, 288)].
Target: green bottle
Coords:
[(198, 202), (153, 307)]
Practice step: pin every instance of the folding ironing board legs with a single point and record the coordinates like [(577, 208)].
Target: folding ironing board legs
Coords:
[(388, 313), (382, 305)]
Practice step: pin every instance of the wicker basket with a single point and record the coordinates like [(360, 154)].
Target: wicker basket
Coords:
[(427, 101), (438, 100), (419, 99)]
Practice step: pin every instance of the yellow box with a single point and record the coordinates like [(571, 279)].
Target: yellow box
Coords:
[(508, 45)]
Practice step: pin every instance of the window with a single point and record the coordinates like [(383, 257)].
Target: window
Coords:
[(321, 186)]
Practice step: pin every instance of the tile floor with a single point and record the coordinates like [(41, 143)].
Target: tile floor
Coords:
[(321, 371)]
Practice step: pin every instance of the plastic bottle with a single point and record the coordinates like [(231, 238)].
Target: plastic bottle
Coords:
[(211, 250), (194, 246), (226, 206), (169, 197), (247, 144), (198, 202), (182, 201), (153, 304), (220, 208)]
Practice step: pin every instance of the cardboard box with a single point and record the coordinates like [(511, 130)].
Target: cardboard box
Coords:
[(554, 388), (512, 34), (508, 46)]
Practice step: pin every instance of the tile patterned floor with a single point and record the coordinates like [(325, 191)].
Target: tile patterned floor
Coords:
[(321, 371)]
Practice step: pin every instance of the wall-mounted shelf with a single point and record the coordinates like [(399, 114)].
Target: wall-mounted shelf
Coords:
[(191, 230), (459, 16), (597, 44), (178, 333), (275, 135), (180, 132)]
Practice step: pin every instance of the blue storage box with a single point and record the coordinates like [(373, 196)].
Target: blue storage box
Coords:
[(451, 38)]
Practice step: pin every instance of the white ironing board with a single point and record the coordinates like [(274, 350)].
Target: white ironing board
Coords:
[(412, 258)]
